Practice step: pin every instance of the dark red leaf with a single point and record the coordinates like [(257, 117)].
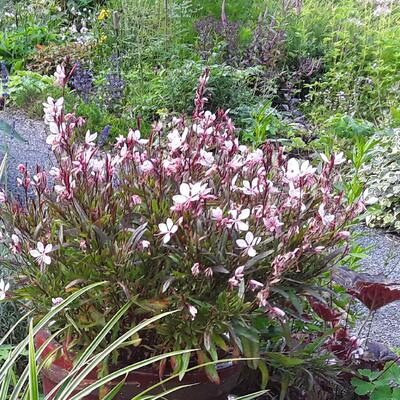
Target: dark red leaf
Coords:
[(374, 291), (375, 295), (323, 310)]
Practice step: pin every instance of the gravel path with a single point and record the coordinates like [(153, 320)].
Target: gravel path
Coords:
[(32, 150), (384, 258)]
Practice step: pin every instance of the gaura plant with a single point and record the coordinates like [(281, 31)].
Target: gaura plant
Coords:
[(187, 219)]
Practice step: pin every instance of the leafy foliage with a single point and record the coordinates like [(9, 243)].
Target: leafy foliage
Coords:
[(382, 177)]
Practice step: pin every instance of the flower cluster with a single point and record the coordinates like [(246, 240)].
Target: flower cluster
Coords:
[(186, 219)]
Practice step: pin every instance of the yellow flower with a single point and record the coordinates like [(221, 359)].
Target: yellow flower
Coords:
[(103, 14), (103, 38)]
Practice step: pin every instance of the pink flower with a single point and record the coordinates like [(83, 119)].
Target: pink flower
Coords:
[(208, 272), (3, 197), (272, 224), (60, 75), (235, 280), (192, 311), (83, 245), (176, 140), (262, 297), (343, 235), (16, 246), (206, 158), (40, 253), (255, 285), (135, 200), (276, 312), (167, 230), (195, 269), (248, 244), (4, 287), (237, 221)]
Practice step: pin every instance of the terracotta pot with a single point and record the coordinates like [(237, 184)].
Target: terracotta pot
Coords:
[(137, 381)]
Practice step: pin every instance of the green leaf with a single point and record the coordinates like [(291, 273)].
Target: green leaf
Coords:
[(284, 386), (115, 390), (284, 361), (382, 393), (40, 325), (185, 365), (362, 387), (33, 375), (252, 396), (262, 366), (396, 394)]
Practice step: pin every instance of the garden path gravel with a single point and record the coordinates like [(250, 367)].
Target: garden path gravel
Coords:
[(32, 150), (383, 258)]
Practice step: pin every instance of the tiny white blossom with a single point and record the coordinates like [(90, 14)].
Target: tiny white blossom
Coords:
[(192, 311), (248, 244), (40, 253), (4, 287), (296, 169), (90, 138), (56, 301), (237, 221), (167, 229)]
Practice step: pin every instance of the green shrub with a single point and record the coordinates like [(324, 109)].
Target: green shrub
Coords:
[(382, 177)]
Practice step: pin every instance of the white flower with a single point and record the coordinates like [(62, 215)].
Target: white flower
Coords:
[(40, 253), (145, 244), (296, 169), (325, 217), (237, 221), (134, 137), (176, 140), (147, 166), (190, 192), (90, 138), (4, 287), (192, 311), (338, 158), (252, 188), (3, 197), (167, 229), (56, 301), (217, 214), (206, 158), (248, 244)]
